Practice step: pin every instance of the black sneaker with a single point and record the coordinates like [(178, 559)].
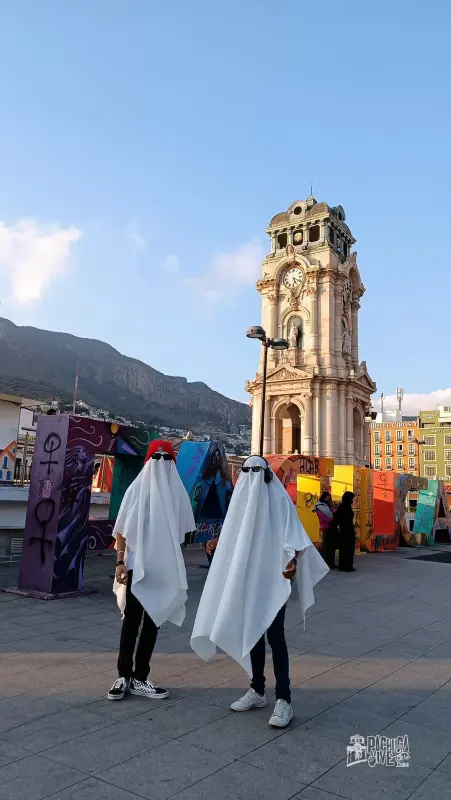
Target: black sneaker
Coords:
[(119, 689), (147, 689)]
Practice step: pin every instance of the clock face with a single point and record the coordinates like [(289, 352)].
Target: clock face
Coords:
[(293, 278)]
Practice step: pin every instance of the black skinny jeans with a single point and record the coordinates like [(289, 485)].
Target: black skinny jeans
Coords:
[(133, 615), (276, 640)]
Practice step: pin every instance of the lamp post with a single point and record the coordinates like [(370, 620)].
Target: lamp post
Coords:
[(257, 332), (419, 442)]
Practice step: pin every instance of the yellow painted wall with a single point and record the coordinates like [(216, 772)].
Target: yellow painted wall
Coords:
[(308, 493), (348, 479)]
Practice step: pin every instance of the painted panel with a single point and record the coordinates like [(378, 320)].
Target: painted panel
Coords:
[(308, 493), (367, 543), (205, 473), (347, 478), (386, 500), (424, 517)]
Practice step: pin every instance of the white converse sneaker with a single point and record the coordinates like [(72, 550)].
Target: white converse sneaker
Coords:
[(282, 714), (147, 689), (119, 689), (250, 700)]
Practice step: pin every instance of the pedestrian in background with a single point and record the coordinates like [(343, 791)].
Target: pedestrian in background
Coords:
[(325, 512), (344, 524)]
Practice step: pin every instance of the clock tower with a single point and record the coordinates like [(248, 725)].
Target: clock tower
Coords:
[(318, 392)]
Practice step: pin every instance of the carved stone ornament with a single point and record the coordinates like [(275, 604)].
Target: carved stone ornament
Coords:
[(346, 344), (347, 293), (291, 253), (293, 301)]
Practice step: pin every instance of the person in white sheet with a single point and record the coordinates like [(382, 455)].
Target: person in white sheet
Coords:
[(261, 549), (150, 582)]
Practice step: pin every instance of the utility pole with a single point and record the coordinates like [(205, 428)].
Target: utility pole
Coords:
[(77, 375)]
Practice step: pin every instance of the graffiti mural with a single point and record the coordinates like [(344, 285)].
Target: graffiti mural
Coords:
[(367, 543), (57, 525), (205, 473), (287, 469)]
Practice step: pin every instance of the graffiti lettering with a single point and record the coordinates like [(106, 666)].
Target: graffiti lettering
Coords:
[(51, 445), (207, 530), (308, 466), (43, 514)]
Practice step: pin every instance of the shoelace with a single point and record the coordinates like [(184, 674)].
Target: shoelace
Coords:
[(278, 710), (119, 683)]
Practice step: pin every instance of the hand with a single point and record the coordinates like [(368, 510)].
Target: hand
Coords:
[(121, 574), (211, 546), (290, 570)]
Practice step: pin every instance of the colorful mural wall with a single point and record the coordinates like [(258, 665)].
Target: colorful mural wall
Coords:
[(205, 473), (287, 468), (367, 543), (57, 524), (9, 425)]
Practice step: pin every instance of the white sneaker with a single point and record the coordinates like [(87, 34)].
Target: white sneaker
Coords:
[(250, 700), (282, 714), (147, 689)]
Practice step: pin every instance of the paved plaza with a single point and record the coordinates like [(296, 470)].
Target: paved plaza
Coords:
[(375, 657)]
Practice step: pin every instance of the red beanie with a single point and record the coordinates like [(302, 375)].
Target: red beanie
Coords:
[(159, 446)]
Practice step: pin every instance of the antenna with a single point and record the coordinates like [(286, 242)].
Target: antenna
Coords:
[(311, 188), (399, 397), (382, 402)]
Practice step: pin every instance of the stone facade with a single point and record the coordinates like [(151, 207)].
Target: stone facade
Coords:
[(318, 393)]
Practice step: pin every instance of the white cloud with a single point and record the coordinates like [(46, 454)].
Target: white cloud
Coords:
[(171, 264), (135, 237), (227, 274), (413, 403), (32, 254)]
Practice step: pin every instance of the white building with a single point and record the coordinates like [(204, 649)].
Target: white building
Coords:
[(318, 392)]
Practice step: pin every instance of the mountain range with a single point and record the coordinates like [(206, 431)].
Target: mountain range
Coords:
[(42, 364)]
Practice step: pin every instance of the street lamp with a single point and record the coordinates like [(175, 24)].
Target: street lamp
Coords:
[(257, 332)]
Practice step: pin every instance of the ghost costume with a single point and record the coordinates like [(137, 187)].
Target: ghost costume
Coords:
[(154, 517), (245, 592)]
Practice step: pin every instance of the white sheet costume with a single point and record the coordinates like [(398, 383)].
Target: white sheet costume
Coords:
[(154, 517), (245, 587)]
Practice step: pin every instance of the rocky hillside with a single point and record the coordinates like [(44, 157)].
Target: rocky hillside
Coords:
[(40, 364)]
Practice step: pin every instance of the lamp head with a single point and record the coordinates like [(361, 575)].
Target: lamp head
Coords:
[(278, 344), (256, 332)]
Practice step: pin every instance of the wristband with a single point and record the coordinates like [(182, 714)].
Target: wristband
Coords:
[(120, 563)]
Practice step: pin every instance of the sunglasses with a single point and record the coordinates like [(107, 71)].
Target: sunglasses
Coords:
[(252, 469), (164, 456)]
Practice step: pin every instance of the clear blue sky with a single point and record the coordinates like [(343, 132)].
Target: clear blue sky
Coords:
[(168, 134)]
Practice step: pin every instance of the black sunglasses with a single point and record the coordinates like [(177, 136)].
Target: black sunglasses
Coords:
[(252, 469), (164, 456)]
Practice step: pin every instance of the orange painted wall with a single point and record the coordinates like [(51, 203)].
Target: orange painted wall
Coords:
[(386, 492)]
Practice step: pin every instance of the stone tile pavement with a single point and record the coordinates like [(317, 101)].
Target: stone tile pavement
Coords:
[(375, 658)]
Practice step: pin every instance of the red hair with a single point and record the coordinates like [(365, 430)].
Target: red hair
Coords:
[(159, 445)]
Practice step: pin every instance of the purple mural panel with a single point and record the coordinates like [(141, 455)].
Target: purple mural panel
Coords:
[(41, 527), (73, 521), (100, 534)]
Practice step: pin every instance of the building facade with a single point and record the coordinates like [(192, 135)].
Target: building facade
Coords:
[(435, 443), (318, 392), (394, 446)]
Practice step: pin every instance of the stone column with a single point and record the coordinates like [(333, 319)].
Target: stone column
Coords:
[(355, 333), (342, 424), (331, 420), (256, 410), (327, 313), (349, 429), (267, 431), (316, 419), (272, 327), (312, 352), (308, 425), (273, 242), (339, 360), (323, 233)]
